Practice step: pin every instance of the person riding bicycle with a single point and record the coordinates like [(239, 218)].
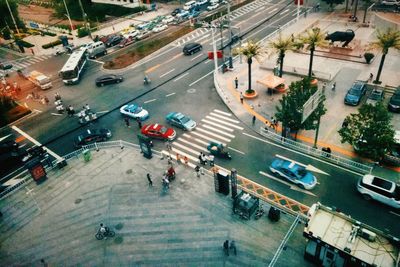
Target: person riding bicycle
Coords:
[(102, 229)]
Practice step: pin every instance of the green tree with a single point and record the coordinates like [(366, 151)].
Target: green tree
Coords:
[(6, 103), (250, 50), (289, 110), (6, 20), (312, 39), (333, 2), (370, 130), (386, 40), (280, 46)]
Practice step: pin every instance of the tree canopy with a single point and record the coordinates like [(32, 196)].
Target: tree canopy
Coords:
[(6, 23), (369, 131), (289, 110)]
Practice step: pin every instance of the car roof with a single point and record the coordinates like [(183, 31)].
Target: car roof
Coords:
[(357, 85), (191, 45), (378, 182)]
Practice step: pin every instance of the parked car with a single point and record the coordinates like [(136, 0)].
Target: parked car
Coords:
[(168, 19), (194, 14), (191, 48), (127, 41), (134, 111), (114, 40), (202, 2), (143, 26), (108, 79), (394, 102), (294, 172), (183, 14), (355, 93), (152, 25), (91, 136), (96, 49), (5, 66), (375, 97), (213, 6), (176, 11), (379, 189), (160, 28), (143, 35), (182, 121), (132, 33), (158, 131)]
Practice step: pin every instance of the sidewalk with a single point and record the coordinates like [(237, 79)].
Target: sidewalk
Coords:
[(57, 220), (340, 71)]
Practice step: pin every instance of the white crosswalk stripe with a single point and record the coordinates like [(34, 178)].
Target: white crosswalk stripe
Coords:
[(222, 117), (200, 148), (196, 139), (224, 122), (222, 112), (27, 61), (217, 125), (218, 131), (212, 134)]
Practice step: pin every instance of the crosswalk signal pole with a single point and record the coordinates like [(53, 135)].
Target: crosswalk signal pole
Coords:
[(214, 49)]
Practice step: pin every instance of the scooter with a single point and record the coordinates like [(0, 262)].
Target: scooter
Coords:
[(146, 81)]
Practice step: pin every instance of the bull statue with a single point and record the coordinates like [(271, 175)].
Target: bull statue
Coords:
[(345, 37)]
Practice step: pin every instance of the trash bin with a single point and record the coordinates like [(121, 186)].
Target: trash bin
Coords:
[(87, 156), (274, 214)]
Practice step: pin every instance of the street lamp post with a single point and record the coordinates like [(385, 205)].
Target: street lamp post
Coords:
[(12, 17), (68, 16)]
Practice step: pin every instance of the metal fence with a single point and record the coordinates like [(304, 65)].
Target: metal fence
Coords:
[(329, 157)]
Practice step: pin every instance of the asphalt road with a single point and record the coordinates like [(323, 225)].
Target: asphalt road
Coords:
[(185, 84)]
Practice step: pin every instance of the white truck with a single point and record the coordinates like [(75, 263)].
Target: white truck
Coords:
[(39, 79)]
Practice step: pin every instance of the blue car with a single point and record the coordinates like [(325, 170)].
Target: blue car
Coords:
[(181, 121), (294, 172), (354, 95)]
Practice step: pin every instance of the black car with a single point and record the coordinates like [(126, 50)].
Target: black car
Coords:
[(109, 79), (114, 40), (176, 11), (394, 102), (192, 48), (91, 136), (5, 66)]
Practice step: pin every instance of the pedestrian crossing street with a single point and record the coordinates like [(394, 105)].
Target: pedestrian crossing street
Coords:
[(217, 126), (202, 33), (23, 63)]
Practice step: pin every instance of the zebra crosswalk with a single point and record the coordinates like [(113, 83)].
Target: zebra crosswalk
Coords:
[(217, 126), (23, 63)]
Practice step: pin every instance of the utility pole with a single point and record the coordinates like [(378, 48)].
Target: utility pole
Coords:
[(230, 36), (87, 27), (214, 49), (12, 17), (68, 16)]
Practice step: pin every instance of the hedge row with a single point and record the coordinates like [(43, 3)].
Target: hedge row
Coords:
[(51, 45)]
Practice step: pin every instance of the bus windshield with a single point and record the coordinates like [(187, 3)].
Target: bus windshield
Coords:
[(72, 69), (69, 74)]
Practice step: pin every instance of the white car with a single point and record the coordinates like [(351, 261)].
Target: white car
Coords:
[(160, 28), (183, 14), (134, 111), (168, 19), (379, 189), (212, 7), (202, 2), (131, 34)]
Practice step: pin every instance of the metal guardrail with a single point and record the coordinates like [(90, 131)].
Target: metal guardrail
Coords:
[(338, 160)]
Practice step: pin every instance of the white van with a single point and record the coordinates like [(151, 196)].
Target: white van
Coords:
[(189, 5), (40, 80), (96, 49)]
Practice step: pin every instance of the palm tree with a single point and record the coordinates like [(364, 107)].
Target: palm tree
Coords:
[(249, 50), (388, 39), (312, 39), (280, 46)]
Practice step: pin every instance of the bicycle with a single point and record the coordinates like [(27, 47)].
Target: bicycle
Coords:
[(108, 233)]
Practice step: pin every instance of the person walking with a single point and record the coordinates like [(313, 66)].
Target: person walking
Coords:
[(139, 123), (71, 110), (254, 120), (57, 96), (178, 158), (226, 247), (233, 247), (334, 86), (186, 160), (236, 83), (371, 77), (87, 107), (149, 179), (197, 170), (201, 158), (127, 123), (241, 97)]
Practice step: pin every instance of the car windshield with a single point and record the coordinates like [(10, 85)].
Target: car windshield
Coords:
[(70, 74), (134, 109), (355, 91), (185, 119)]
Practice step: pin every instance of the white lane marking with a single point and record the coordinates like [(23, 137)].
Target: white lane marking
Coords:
[(170, 94), (56, 114), (15, 128), (101, 112), (166, 153), (308, 167), (222, 117), (201, 78), (207, 61), (192, 144), (236, 150), (207, 138), (224, 122), (284, 11), (394, 213), (38, 110), (181, 153), (222, 112), (293, 187), (205, 36), (275, 9), (197, 57), (218, 131), (180, 77), (212, 134), (217, 125), (196, 139), (4, 137), (302, 154), (185, 148), (168, 72), (148, 101)]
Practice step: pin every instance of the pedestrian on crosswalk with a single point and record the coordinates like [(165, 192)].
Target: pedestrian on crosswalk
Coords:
[(197, 170), (186, 160), (226, 247), (149, 179), (178, 158)]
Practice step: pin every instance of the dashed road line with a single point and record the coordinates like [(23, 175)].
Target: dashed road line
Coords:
[(236, 150), (149, 101), (171, 94), (168, 72), (180, 77)]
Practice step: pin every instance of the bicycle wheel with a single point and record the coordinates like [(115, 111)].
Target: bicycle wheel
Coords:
[(99, 236), (110, 233)]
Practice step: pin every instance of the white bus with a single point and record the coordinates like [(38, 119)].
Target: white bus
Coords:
[(72, 69)]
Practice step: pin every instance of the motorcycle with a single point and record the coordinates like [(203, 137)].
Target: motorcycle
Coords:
[(259, 213), (146, 81), (218, 150)]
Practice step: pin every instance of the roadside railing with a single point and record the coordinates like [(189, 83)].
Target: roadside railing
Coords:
[(329, 157)]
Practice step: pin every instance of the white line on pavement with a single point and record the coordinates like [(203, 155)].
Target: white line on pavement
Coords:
[(236, 150), (191, 143), (171, 94), (302, 154), (222, 112), (207, 61), (206, 138), (284, 11), (212, 134), (196, 139), (275, 9), (222, 117), (56, 114), (201, 78), (394, 213), (148, 101), (4, 137), (15, 128), (224, 122), (185, 148), (38, 110), (217, 125), (168, 72), (218, 131), (196, 57), (180, 77), (101, 112)]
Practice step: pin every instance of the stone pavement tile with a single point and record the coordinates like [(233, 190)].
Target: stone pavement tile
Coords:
[(185, 226)]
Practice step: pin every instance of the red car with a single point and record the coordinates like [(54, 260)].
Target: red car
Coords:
[(158, 131), (127, 41)]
